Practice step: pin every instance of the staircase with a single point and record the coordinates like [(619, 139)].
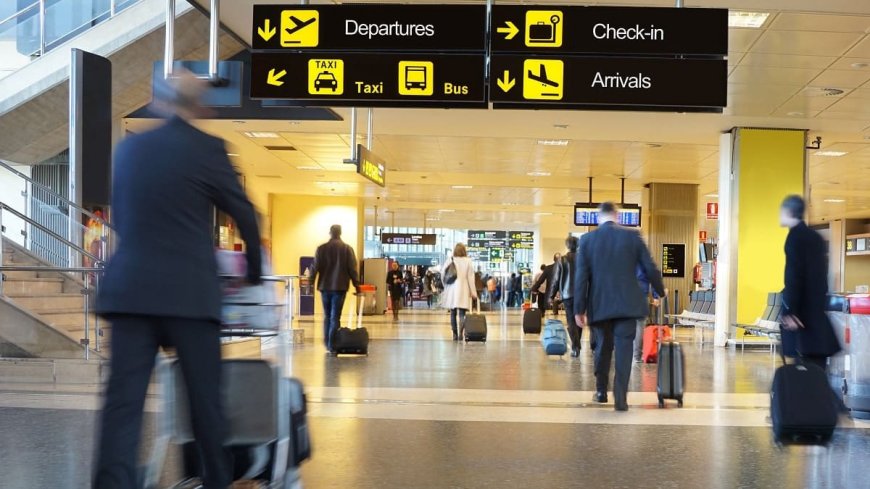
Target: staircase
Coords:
[(47, 300)]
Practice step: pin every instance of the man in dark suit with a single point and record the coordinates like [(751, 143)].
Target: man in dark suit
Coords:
[(807, 331), (161, 287), (606, 297), (334, 268)]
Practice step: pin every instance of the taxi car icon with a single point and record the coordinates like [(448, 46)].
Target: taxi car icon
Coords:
[(326, 80)]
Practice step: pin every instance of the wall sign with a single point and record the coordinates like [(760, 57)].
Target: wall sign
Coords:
[(608, 83), (371, 79), (609, 30), (372, 27), (712, 211), (674, 260), (702, 236), (371, 166), (408, 239)]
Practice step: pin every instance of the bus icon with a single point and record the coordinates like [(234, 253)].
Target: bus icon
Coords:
[(416, 78)]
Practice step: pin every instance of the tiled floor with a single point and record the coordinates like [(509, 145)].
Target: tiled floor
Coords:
[(423, 411)]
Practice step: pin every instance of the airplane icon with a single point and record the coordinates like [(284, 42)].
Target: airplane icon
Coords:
[(298, 24), (542, 77), (299, 28)]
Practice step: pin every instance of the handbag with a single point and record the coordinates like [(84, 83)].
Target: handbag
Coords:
[(450, 274)]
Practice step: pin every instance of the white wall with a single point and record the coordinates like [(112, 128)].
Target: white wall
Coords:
[(11, 187)]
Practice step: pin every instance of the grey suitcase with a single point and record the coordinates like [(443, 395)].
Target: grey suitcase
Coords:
[(670, 374)]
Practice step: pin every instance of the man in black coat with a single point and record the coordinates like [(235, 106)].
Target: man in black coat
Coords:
[(334, 269), (807, 332), (606, 297), (546, 281), (161, 287)]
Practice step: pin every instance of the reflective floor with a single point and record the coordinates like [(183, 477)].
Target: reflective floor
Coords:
[(423, 411)]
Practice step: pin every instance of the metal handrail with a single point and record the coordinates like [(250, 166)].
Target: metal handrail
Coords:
[(54, 194), (20, 13), (35, 268), (51, 233)]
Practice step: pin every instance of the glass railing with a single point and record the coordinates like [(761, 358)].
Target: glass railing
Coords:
[(31, 28)]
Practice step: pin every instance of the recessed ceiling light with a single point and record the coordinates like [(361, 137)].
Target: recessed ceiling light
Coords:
[(653, 145), (860, 66), (538, 174), (553, 142), (795, 114), (829, 153), (835, 201), (823, 92), (232, 154), (261, 135), (240, 122), (712, 196), (747, 20), (543, 213), (308, 168), (446, 210), (560, 126), (433, 219), (462, 187)]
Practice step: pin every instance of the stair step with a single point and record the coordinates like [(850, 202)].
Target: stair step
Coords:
[(68, 320), (48, 302), (34, 286)]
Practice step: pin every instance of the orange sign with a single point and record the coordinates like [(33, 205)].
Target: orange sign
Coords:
[(712, 211), (702, 236)]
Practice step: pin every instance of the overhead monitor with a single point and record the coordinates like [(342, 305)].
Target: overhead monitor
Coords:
[(586, 214)]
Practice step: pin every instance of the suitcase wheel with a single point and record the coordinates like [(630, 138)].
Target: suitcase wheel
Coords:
[(680, 402)]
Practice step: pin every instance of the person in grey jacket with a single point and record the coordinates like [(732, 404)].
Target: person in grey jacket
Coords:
[(334, 268), (563, 285), (606, 297)]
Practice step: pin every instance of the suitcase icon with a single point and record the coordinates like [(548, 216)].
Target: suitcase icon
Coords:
[(541, 32)]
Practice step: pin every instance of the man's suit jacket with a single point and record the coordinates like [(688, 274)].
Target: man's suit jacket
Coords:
[(605, 283), (165, 186), (805, 294)]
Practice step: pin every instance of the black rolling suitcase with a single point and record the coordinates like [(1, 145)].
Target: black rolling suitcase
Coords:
[(352, 341), (671, 365), (532, 319), (670, 374), (474, 326), (803, 408)]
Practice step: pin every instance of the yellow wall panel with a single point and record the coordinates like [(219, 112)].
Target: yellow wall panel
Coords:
[(771, 167)]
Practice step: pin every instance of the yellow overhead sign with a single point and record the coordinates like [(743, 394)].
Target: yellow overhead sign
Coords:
[(300, 28), (544, 28), (325, 76), (543, 79)]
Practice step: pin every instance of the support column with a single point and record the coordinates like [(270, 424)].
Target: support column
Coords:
[(673, 219), (765, 166)]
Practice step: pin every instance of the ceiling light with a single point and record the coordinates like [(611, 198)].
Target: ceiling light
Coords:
[(860, 66), (795, 114), (543, 213), (553, 142), (830, 153), (712, 196), (462, 187), (560, 126), (446, 210), (538, 174), (433, 219), (261, 135), (232, 154), (747, 20), (308, 168), (835, 201)]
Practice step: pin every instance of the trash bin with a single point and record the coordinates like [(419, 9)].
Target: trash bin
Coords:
[(370, 300)]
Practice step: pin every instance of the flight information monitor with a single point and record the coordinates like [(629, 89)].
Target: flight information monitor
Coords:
[(586, 214)]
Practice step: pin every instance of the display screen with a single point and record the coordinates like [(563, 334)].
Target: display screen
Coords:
[(587, 215)]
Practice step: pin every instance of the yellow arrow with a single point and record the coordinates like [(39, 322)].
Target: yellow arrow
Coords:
[(265, 32), (510, 29), (506, 83), (275, 78)]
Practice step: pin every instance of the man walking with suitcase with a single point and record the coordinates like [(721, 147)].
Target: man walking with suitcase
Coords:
[(808, 331), (161, 288), (606, 297), (335, 265)]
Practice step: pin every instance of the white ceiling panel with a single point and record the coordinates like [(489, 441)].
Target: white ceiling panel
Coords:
[(820, 22), (773, 75), (847, 63), (862, 50), (740, 40), (806, 43), (788, 61), (841, 78)]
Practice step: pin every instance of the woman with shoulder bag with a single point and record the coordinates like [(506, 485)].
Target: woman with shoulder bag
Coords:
[(459, 290)]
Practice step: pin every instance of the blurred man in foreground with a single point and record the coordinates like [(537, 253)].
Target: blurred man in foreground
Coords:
[(161, 287)]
